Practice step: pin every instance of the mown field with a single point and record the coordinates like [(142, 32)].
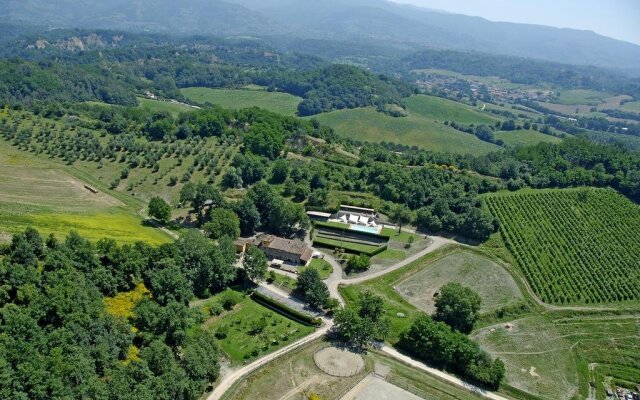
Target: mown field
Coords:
[(582, 96), (492, 282), (41, 193), (235, 99), (523, 137), (558, 356), (423, 126), (574, 246), (250, 329)]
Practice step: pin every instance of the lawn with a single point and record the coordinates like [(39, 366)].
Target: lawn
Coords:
[(390, 254), (493, 283), (281, 103), (251, 329), (160, 105), (523, 137), (323, 267), (423, 126), (402, 237)]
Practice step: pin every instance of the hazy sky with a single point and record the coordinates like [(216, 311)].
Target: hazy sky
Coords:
[(619, 19)]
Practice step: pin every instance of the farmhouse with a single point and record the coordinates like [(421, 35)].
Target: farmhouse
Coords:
[(289, 250)]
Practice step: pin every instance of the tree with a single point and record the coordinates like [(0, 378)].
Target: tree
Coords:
[(311, 287), (159, 209), (370, 306), (359, 263), (200, 357), (457, 306), (255, 264), (279, 171), (400, 214), (169, 284), (224, 222), (249, 216)]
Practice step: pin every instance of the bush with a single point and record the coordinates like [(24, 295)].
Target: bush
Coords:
[(215, 309), (229, 299)]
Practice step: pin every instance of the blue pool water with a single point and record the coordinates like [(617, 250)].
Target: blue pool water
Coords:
[(369, 229)]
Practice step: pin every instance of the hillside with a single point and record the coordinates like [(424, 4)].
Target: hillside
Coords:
[(336, 20)]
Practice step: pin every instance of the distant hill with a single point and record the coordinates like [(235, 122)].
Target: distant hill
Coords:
[(344, 20)]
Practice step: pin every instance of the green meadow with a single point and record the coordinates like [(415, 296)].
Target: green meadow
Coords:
[(235, 99)]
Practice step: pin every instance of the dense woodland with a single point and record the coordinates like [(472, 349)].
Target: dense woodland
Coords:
[(59, 338)]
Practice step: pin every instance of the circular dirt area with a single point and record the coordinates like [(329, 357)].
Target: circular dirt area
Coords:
[(338, 362)]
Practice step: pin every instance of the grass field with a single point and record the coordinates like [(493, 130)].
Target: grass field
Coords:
[(492, 282), (525, 138), (537, 356), (323, 267), (159, 105), (41, 193), (582, 96), (561, 349), (633, 106), (252, 330), (235, 99), (573, 246), (423, 126)]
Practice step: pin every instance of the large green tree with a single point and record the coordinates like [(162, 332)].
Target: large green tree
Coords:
[(224, 222), (312, 288), (457, 306), (159, 209), (254, 264)]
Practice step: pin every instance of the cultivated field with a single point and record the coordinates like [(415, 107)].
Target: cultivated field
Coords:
[(423, 126), (525, 138), (41, 193), (250, 329), (281, 103), (573, 246), (492, 282), (582, 96)]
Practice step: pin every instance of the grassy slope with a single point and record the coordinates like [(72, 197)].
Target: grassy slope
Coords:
[(423, 127), (159, 105), (525, 138), (36, 191), (281, 103)]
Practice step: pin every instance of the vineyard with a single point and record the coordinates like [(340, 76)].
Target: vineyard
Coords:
[(573, 246)]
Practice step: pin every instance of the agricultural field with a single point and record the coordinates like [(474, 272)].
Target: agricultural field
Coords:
[(41, 193), (557, 356), (582, 96), (159, 105), (492, 282), (574, 246), (235, 99), (423, 126), (250, 330), (523, 137), (633, 106), (298, 378)]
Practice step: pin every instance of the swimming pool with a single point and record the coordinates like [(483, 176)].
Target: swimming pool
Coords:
[(368, 229)]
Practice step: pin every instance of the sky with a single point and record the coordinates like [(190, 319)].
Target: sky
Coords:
[(619, 19)]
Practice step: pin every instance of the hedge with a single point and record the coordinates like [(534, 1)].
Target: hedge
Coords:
[(352, 248), (343, 227), (285, 310)]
